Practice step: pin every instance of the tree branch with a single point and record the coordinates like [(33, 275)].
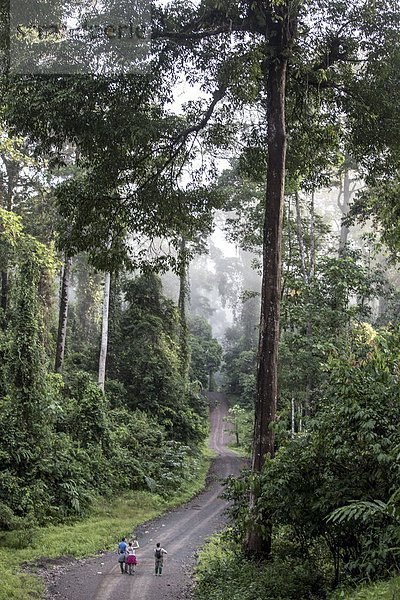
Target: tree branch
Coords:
[(179, 141), (217, 96)]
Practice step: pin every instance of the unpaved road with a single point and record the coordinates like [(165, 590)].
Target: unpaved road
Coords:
[(181, 532)]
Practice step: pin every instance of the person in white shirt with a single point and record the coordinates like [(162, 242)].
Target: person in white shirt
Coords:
[(130, 554)]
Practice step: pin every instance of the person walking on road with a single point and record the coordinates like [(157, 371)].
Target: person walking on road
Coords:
[(122, 546), (130, 554), (130, 559), (159, 558)]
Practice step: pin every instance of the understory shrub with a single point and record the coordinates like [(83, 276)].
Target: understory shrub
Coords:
[(349, 454), (223, 573), (89, 450)]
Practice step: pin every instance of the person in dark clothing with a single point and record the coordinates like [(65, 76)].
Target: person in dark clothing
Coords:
[(159, 558)]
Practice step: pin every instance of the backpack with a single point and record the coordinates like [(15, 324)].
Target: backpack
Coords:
[(158, 553)]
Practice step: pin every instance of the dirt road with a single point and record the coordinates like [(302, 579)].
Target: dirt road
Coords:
[(181, 531)]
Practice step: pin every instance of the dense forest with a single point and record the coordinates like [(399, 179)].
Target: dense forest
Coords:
[(244, 239)]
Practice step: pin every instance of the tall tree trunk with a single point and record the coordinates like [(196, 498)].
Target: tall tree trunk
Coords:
[(210, 379), (293, 415), (258, 543), (104, 332), (300, 240), (309, 328), (300, 418), (312, 236), (344, 207), (345, 193), (4, 290), (63, 315), (12, 171), (183, 327), (308, 271)]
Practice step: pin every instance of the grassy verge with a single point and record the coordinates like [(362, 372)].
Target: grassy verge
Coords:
[(101, 530), (223, 573), (383, 590), (239, 450)]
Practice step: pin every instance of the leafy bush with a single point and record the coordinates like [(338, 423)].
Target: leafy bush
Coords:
[(206, 352), (62, 441), (349, 454), (223, 573), (89, 449), (145, 359)]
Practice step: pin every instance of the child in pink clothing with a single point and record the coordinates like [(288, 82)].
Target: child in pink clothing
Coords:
[(130, 554)]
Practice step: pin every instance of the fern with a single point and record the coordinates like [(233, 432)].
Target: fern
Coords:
[(365, 510)]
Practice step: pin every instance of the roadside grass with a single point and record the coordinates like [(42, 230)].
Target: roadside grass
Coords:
[(382, 590), (222, 573), (17, 585), (108, 521), (239, 450), (208, 452)]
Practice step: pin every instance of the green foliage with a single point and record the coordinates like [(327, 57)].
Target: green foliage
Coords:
[(358, 511), (349, 454), (315, 314), (90, 450), (74, 447), (145, 359), (111, 194), (323, 294), (366, 511), (242, 426), (384, 590), (374, 130), (206, 352), (379, 204), (63, 445), (223, 573), (84, 317), (240, 371), (88, 408), (11, 227), (240, 344), (27, 408)]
